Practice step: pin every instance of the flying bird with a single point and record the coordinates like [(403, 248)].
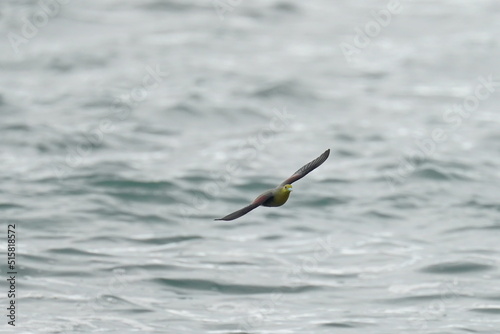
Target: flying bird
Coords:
[(279, 195)]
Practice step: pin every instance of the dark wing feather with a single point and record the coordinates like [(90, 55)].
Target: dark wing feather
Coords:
[(306, 169), (256, 203)]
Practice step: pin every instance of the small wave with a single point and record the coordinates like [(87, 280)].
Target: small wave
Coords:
[(142, 267), (136, 190), (431, 173), (113, 182), (6, 206), (347, 324), (413, 299), (286, 7), (459, 267), (381, 214), (325, 201), (272, 237), (489, 309), (473, 228), (74, 251), (170, 6), (197, 178), (119, 304), (143, 197), (200, 284), (287, 88), (482, 205), (167, 240)]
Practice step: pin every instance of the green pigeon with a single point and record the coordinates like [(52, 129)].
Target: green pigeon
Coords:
[(279, 195)]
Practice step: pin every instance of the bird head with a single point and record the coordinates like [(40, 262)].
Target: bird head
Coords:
[(287, 187)]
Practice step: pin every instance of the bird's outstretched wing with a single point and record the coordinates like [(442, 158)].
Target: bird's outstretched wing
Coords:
[(303, 171), (256, 203)]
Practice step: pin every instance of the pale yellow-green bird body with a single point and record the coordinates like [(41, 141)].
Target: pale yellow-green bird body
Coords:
[(279, 195)]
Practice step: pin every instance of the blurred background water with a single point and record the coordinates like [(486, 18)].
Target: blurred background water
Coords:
[(128, 126)]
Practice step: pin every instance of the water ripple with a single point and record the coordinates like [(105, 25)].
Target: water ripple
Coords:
[(207, 285), (489, 309), (459, 267)]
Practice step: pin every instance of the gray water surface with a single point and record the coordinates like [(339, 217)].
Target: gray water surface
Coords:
[(127, 127)]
